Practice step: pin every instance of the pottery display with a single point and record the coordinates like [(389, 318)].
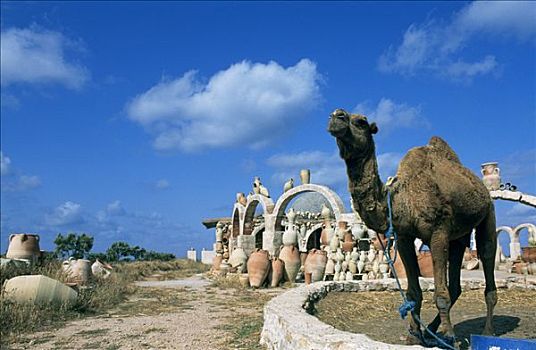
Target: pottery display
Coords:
[(348, 243), (334, 243), (491, 175), (330, 267), (354, 256), (371, 255), (24, 246), (336, 276), (258, 266), (241, 198), (325, 212), (359, 231), (305, 176), (291, 259), (426, 265), (316, 264), (278, 271), (528, 254), (290, 236), (352, 267), (327, 233), (38, 289), (349, 276), (238, 259), (360, 266)]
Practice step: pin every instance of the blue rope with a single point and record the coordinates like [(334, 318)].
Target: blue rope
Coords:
[(407, 306)]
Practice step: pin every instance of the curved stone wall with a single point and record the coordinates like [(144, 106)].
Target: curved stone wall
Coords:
[(288, 325)]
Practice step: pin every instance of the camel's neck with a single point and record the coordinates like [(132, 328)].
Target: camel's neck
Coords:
[(368, 193)]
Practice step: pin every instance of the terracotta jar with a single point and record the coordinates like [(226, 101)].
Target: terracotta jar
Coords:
[(425, 264), (258, 267), (24, 246), (491, 176), (330, 267), (327, 233), (81, 271), (348, 243), (398, 265), (38, 289), (278, 270), (316, 264), (291, 262)]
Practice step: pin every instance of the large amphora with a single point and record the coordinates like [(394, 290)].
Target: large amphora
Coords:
[(291, 257), (258, 266), (316, 264), (24, 246)]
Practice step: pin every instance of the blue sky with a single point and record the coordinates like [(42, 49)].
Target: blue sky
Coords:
[(135, 120)]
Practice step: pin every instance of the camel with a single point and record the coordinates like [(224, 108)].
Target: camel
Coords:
[(434, 198)]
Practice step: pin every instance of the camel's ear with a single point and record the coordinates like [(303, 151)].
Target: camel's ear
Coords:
[(373, 128)]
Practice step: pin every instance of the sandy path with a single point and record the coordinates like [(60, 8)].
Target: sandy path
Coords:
[(193, 316)]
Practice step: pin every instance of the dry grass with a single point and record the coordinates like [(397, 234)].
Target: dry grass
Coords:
[(101, 295), (372, 313)]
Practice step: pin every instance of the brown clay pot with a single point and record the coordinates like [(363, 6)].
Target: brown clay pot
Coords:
[(258, 267), (308, 277), (278, 271), (425, 264), (316, 264), (291, 262), (528, 254), (327, 233), (348, 243), (398, 265), (23, 246)]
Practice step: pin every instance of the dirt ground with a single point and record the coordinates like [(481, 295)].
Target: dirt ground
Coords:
[(187, 314), (376, 314)]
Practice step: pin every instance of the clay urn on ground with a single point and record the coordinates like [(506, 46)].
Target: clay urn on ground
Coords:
[(278, 271), (426, 265), (316, 264), (292, 263), (258, 266)]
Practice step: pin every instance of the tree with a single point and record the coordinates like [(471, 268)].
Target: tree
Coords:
[(73, 245)]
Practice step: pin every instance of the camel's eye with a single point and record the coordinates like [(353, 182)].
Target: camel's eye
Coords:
[(359, 120)]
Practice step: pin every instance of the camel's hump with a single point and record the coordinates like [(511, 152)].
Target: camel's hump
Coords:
[(441, 147)]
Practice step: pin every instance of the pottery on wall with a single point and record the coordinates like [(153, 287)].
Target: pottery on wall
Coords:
[(305, 176), (325, 212), (330, 267), (241, 198), (278, 271), (359, 231), (24, 246), (426, 265), (327, 233), (491, 176), (348, 243), (528, 254), (316, 264), (292, 263), (290, 236), (258, 266)]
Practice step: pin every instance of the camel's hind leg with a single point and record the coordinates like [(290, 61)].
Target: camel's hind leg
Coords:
[(486, 245), (456, 251)]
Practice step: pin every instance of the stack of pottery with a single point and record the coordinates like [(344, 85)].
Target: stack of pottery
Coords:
[(278, 270), (290, 236), (258, 267), (24, 246), (238, 259), (78, 270), (219, 247), (315, 265), (348, 243), (352, 265), (359, 231)]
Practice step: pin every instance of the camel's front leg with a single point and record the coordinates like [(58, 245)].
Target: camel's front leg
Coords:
[(406, 249), (439, 246)]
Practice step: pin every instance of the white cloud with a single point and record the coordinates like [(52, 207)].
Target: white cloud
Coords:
[(436, 46), (27, 182), (326, 168), (115, 209), (33, 55), (389, 115), (5, 164), (67, 213), (162, 184), (247, 104)]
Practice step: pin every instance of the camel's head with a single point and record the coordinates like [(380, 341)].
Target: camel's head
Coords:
[(353, 133)]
